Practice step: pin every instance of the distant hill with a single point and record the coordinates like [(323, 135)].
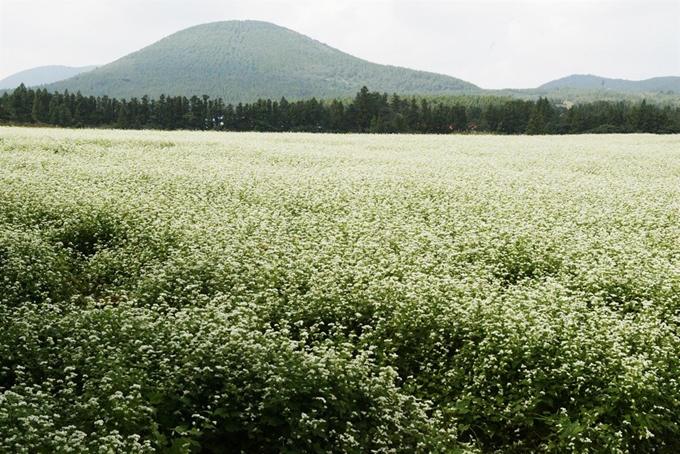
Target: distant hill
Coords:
[(241, 61), (654, 85), (42, 75), (247, 60)]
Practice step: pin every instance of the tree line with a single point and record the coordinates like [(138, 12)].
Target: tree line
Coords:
[(368, 112)]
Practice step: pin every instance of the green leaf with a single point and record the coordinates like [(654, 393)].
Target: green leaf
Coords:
[(156, 398)]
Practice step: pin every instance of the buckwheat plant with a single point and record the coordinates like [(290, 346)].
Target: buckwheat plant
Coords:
[(181, 292)]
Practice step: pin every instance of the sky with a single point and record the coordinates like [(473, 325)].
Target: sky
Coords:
[(493, 44)]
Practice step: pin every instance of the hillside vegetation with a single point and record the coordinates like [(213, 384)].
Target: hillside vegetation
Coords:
[(242, 61)]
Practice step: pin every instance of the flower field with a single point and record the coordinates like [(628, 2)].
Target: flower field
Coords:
[(180, 292)]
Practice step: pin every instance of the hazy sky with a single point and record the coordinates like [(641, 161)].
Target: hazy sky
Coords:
[(493, 44)]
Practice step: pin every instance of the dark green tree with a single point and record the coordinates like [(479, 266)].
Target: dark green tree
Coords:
[(123, 120), (21, 105), (41, 106)]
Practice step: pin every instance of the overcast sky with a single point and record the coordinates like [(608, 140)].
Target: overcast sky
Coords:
[(493, 44)]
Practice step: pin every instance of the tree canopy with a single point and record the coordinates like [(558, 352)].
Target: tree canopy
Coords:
[(367, 112)]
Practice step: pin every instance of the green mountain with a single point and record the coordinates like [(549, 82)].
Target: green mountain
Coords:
[(247, 60), (42, 75), (590, 82)]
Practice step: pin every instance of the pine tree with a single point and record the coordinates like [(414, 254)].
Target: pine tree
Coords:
[(122, 122), (40, 111)]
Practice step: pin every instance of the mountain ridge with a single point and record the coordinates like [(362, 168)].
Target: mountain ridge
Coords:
[(42, 75), (241, 61), (247, 60), (590, 81)]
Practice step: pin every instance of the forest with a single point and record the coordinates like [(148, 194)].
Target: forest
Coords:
[(368, 112)]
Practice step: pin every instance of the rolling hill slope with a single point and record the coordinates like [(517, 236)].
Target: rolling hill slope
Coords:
[(654, 85), (42, 75), (247, 60)]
